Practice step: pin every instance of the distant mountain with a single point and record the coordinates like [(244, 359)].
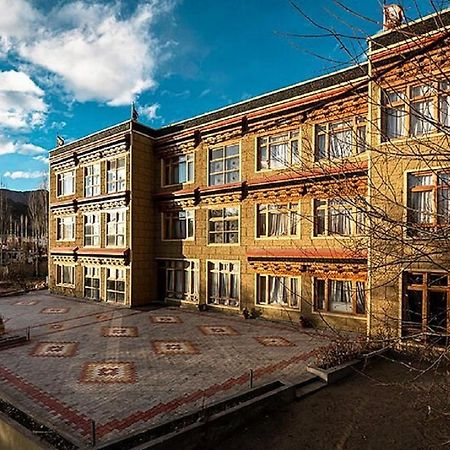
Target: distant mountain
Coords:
[(17, 202)]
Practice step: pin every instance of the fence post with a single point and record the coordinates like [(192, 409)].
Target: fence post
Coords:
[(93, 434)]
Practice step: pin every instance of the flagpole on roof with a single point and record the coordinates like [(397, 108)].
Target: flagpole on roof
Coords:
[(134, 113)]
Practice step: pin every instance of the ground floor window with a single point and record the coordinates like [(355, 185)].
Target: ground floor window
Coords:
[(277, 291), (425, 306), (115, 285), (223, 283), (340, 296), (179, 279), (65, 275), (92, 283)]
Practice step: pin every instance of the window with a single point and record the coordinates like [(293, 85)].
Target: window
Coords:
[(180, 279), (179, 169), (415, 110), (344, 217), (425, 306), (278, 151), (92, 180), (340, 296), (66, 183), (178, 224), (428, 200), (223, 283), (92, 229), (92, 282), (224, 225), (278, 291), (277, 220), (65, 228), (115, 285), (65, 275), (115, 175), (115, 228), (341, 139), (224, 165)]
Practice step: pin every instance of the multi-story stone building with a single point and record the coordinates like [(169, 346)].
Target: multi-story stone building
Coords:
[(307, 201)]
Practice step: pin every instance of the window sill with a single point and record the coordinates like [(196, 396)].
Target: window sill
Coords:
[(341, 315), (277, 238), (179, 240), (278, 307), (233, 308), (71, 286), (237, 244), (412, 139)]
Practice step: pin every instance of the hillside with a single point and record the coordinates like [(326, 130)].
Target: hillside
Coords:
[(17, 202)]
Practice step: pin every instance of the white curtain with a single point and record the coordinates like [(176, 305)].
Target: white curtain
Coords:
[(395, 121), (422, 205), (278, 222), (279, 155), (422, 117), (278, 291), (340, 299), (341, 144)]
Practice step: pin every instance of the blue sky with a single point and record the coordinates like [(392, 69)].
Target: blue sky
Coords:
[(74, 67)]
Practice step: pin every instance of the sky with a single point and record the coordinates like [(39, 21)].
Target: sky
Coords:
[(71, 68)]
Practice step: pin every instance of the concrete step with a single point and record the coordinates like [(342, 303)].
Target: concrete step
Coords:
[(309, 387)]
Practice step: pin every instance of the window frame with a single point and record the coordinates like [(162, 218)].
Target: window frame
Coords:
[(116, 181), (193, 271), (208, 282), (115, 224), (266, 304), (99, 228), (60, 226), (116, 280), (92, 277), (290, 139), (60, 275), (223, 219), (223, 159), (292, 209), (353, 124), (60, 183), (355, 214), (326, 300), (92, 182), (167, 163), (169, 216)]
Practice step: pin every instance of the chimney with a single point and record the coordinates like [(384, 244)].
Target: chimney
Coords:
[(393, 16)]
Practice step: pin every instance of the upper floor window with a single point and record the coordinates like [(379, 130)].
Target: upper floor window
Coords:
[(278, 151), (115, 228), (343, 217), (278, 220), (340, 296), (92, 229), (115, 175), (340, 139), (415, 110), (178, 224), (277, 291), (65, 228), (224, 225), (428, 199), (178, 169), (224, 165), (92, 180), (66, 183)]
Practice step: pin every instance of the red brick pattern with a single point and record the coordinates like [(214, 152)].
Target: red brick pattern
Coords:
[(105, 372), (218, 330), (174, 348), (26, 303), (120, 332), (165, 319), (55, 349), (274, 341)]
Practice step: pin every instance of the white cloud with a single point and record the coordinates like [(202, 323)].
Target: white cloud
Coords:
[(8, 147), (96, 52), (42, 159), (21, 101), (149, 111), (19, 174)]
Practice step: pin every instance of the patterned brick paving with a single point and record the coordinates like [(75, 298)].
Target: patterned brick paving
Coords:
[(88, 362)]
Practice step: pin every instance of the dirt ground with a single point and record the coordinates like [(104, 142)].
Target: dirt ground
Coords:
[(384, 408)]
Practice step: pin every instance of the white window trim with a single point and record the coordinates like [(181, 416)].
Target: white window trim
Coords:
[(276, 306), (219, 244), (105, 285), (68, 285), (100, 226), (190, 238), (108, 160), (213, 261), (84, 281), (74, 225), (125, 223), (228, 144), (163, 163), (74, 177), (287, 237)]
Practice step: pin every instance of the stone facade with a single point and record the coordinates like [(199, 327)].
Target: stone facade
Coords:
[(270, 206)]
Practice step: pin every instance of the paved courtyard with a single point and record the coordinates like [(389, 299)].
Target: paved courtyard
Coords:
[(131, 369)]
